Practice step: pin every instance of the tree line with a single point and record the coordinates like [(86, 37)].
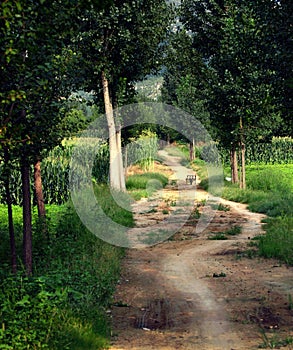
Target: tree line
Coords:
[(228, 63), (50, 49)]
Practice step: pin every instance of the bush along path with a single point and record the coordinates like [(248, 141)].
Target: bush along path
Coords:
[(201, 290)]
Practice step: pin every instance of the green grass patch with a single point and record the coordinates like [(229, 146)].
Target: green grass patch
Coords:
[(218, 237), (201, 169), (234, 231), (269, 191), (111, 207), (220, 207), (278, 242), (144, 185), (276, 178)]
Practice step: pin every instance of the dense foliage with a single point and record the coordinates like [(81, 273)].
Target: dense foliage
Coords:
[(56, 166), (229, 65), (63, 305)]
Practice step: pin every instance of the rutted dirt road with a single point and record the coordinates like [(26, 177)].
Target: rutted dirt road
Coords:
[(191, 292)]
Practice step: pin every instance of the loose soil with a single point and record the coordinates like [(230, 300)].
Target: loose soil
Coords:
[(193, 292)]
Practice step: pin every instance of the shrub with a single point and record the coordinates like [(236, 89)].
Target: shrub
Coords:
[(29, 310), (63, 306)]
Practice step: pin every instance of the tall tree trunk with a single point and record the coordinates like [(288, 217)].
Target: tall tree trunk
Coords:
[(115, 157), (39, 189), (125, 162), (243, 166), (121, 169), (234, 165), (10, 213), (40, 197), (191, 151), (242, 149), (27, 216)]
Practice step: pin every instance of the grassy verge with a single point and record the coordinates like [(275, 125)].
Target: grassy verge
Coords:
[(144, 185), (269, 191), (64, 305)]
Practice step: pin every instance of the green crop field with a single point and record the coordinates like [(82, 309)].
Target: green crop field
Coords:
[(270, 191)]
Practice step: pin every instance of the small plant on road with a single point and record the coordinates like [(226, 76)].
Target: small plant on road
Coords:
[(220, 207), (274, 342), (235, 230), (218, 236), (290, 306)]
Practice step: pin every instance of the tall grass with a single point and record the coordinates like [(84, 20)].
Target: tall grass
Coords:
[(278, 241), (278, 151)]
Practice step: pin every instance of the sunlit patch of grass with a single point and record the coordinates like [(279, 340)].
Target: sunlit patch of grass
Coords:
[(145, 184), (140, 181)]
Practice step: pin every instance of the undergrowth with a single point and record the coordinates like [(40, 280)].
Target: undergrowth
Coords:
[(63, 305)]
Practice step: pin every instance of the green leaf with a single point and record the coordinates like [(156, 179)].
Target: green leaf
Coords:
[(24, 301)]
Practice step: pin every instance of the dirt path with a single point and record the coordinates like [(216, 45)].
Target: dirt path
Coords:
[(191, 292)]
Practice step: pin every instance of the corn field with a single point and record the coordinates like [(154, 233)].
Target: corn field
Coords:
[(55, 174), (142, 150), (91, 159), (279, 151)]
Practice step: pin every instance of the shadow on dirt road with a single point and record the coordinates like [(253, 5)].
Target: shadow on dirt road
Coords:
[(194, 292)]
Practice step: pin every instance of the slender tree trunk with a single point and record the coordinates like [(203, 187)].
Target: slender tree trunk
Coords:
[(39, 189), (121, 169), (191, 151), (242, 149), (27, 216), (125, 162), (243, 166), (115, 157), (119, 146), (234, 165), (40, 198), (10, 213)]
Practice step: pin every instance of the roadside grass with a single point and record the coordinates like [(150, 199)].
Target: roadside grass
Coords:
[(218, 237), (109, 202), (233, 231), (64, 304), (269, 191), (200, 168), (278, 241), (144, 185)]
